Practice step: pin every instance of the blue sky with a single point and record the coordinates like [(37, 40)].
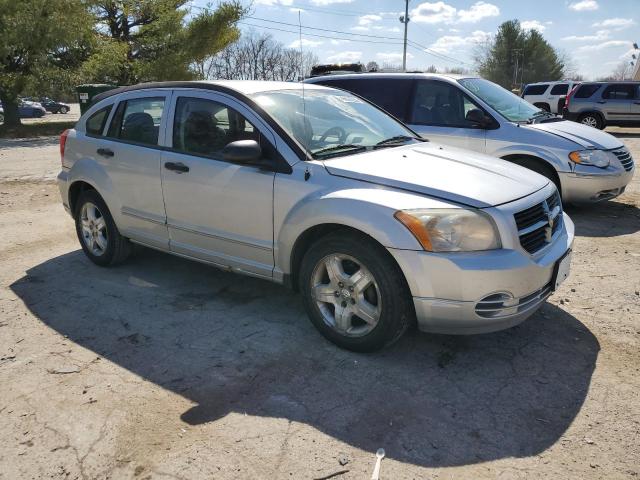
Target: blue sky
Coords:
[(596, 34)]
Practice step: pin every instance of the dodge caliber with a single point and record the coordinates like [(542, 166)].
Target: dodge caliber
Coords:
[(320, 190)]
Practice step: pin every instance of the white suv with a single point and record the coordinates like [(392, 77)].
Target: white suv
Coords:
[(548, 96)]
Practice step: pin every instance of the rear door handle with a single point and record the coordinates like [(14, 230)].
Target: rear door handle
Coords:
[(176, 167), (602, 101), (105, 152), (637, 103)]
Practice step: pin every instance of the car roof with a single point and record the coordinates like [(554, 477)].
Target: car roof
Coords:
[(244, 87), (441, 76), (554, 82)]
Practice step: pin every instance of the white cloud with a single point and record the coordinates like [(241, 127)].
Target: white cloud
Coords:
[(478, 11), (347, 57), (615, 23), (305, 43), (369, 19), (584, 5), (271, 3), (329, 2), (598, 36), (604, 45), (392, 57), (452, 43), (533, 25), (441, 12)]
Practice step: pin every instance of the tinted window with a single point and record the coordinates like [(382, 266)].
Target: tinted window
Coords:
[(439, 103), (204, 127), (586, 90), (138, 120), (620, 92), (535, 89), (389, 94), (95, 123), (560, 89)]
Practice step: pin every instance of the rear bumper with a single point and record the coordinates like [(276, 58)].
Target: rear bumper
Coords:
[(63, 186), (567, 115), (450, 290)]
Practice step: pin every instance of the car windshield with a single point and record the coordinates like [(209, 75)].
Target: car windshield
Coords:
[(510, 106), (332, 123)]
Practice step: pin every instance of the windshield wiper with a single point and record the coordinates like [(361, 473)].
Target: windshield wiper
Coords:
[(338, 150), (539, 115), (398, 139)]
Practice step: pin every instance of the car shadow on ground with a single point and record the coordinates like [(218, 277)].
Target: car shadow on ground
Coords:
[(237, 344), (605, 219)]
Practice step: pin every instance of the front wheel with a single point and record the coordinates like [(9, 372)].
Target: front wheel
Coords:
[(97, 232), (354, 293), (63, 110)]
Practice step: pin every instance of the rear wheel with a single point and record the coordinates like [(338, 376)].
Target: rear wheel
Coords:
[(354, 293), (99, 237), (592, 120)]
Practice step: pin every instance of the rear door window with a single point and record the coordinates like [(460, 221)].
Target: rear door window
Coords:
[(138, 120), (622, 91), (586, 90), (560, 89), (390, 94), (95, 123), (536, 89), (441, 104)]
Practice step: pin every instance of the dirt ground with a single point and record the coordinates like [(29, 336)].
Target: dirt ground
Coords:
[(165, 368)]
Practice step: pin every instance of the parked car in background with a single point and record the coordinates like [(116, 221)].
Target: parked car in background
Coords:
[(586, 165), (1, 114), (52, 106), (599, 104), (319, 189), (27, 109), (548, 96)]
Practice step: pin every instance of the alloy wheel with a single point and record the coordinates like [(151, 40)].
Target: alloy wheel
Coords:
[(590, 121), (94, 229), (346, 294)]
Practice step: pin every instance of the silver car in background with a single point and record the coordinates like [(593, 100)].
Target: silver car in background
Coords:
[(318, 189), (585, 164)]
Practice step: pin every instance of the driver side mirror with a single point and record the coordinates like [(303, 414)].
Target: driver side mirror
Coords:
[(478, 118), (244, 152)]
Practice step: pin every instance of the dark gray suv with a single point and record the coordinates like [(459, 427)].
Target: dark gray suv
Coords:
[(599, 104)]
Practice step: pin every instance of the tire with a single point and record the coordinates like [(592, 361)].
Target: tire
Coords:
[(1, 118), (541, 168), (592, 120), (99, 237), (63, 110), (381, 292)]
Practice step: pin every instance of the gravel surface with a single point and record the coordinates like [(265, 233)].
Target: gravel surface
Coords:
[(168, 368)]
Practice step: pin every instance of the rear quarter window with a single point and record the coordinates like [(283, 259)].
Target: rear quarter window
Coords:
[(585, 91), (95, 123), (535, 89), (560, 89)]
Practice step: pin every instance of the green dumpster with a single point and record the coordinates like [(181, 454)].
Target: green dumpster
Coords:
[(88, 91)]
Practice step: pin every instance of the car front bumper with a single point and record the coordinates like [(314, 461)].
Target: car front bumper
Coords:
[(590, 184), (450, 291)]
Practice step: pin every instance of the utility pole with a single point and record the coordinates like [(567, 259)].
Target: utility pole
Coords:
[(405, 19)]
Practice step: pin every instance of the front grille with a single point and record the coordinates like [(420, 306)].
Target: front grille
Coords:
[(537, 224), (502, 304), (625, 158)]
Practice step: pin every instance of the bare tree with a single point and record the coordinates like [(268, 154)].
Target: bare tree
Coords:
[(259, 57)]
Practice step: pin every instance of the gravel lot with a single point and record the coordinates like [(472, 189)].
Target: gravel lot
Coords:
[(168, 368)]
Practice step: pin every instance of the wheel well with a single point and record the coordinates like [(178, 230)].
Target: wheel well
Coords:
[(308, 238), (523, 160), (75, 190), (592, 112)]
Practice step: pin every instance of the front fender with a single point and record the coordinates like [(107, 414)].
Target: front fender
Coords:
[(365, 209)]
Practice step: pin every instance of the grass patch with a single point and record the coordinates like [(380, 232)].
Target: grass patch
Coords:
[(33, 130)]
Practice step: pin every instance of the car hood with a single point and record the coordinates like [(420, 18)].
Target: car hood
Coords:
[(440, 171), (586, 137)]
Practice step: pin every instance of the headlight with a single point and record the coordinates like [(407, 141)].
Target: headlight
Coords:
[(451, 230), (596, 158)]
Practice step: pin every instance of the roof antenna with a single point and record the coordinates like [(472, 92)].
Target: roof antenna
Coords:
[(304, 104)]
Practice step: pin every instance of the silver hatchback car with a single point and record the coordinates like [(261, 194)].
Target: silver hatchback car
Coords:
[(318, 189)]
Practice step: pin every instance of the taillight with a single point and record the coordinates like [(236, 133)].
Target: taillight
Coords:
[(63, 143), (568, 97)]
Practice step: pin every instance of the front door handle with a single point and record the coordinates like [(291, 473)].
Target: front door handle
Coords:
[(637, 103), (105, 152), (602, 101), (176, 167)]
